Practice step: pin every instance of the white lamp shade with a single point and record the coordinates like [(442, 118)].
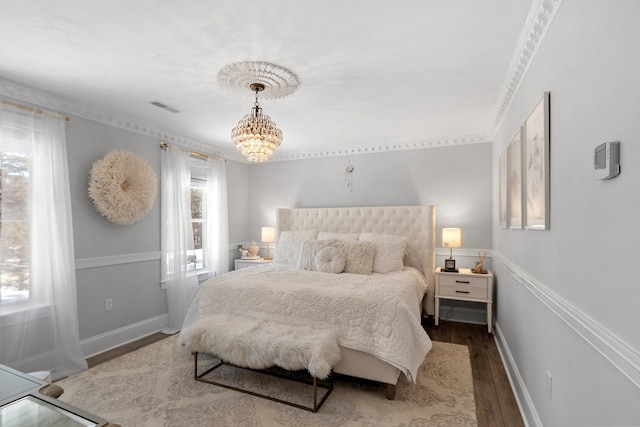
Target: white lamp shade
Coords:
[(451, 237), (268, 234)]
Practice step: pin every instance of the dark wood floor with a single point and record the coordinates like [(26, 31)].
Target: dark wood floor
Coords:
[(495, 403), (124, 349)]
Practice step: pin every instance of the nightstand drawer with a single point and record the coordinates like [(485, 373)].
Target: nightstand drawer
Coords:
[(242, 263), (470, 287)]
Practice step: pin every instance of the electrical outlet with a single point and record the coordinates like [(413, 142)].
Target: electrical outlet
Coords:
[(549, 384), (108, 304)]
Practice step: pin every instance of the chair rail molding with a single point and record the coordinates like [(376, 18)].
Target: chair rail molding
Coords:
[(614, 349), (106, 261)]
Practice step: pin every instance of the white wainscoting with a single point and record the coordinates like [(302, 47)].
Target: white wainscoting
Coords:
[(115, 338), (616, 351)]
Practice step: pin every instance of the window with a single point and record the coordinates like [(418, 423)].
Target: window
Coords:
[(14, 221), (198, 173), (195, 258)]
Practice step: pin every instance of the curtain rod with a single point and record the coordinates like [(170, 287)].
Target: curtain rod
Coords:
[(193, 153), (36, 110)]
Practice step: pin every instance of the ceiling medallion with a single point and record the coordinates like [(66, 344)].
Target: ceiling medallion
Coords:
[(256, 135), (278, 81)]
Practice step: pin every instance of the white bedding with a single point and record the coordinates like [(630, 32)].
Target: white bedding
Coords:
[(378, 314)]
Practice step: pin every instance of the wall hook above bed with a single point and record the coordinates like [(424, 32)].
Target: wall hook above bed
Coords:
[(348, 176)]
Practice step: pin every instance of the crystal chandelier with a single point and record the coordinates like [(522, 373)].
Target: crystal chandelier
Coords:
[(256, 135)]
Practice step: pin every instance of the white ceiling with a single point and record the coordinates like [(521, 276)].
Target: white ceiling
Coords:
[(374, 74)]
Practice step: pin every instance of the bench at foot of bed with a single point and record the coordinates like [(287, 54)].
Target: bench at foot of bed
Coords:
[(297, 376)]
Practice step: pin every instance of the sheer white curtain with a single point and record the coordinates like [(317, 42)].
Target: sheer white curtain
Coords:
[(177, 235), (40, 332), (216, 230)]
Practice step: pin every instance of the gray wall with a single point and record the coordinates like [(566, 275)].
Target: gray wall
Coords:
[(568, 297), (457, 179), (123, 262), (134, 287)]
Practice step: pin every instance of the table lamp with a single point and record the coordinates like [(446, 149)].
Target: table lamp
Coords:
[(268, 236), (451, 238)]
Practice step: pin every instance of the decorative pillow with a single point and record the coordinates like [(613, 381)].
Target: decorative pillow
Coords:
[(330, 260), (289, 245), (308, 252), (323, 235), (390, 251), (358, 256)]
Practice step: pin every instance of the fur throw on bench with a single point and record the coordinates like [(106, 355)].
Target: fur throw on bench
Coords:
[(259, 344)]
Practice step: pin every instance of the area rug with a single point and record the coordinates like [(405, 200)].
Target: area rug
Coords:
[(154, 387)]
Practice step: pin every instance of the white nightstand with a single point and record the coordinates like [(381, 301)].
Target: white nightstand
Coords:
[(464, 286), (242, 263)]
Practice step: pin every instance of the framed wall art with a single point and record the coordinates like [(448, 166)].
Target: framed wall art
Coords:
[(536, 166), (504, 200), (515, 181)]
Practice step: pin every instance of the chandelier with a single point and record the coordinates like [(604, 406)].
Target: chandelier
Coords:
[(256, 135)]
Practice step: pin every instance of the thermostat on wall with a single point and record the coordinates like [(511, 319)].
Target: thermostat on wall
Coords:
[(606, 160)]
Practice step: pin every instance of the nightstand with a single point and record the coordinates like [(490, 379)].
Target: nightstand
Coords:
[(464, 286), (242, 263)]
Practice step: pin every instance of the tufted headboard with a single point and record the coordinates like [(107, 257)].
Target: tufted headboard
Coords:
[(416, 222)]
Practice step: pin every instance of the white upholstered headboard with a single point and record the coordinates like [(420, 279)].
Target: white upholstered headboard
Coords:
[(416, 222)]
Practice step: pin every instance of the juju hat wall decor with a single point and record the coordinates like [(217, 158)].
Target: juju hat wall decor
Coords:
[(122, 187)]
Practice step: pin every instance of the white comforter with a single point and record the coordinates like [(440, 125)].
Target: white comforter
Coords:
[(378, 314)]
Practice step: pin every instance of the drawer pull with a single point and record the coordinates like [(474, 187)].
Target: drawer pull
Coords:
[(462, 281), (462, 292)]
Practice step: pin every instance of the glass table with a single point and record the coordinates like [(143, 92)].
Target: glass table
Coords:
[(22, 405)]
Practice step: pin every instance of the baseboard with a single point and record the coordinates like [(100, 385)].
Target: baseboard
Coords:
[(525, 403), (112, 339)]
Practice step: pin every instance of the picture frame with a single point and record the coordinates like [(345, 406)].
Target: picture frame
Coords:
[(515, 181), (536, 165), (504, 189)]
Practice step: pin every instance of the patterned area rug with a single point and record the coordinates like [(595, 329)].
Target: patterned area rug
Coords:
[(154, 387)]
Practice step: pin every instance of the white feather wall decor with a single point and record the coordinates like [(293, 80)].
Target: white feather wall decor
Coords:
[(122, 187)]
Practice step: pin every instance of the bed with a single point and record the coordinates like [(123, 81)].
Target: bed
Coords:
[(383, 337)]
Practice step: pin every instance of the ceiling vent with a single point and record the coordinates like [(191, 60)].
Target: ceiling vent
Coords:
[(164, 106)]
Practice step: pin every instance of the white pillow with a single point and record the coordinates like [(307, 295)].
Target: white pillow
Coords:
[(330, 260), (390, 251), (308, 252), (323, 235), (358, 256), (289, 245)]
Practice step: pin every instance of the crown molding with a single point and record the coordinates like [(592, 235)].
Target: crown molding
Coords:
[(33, 96), (52, 102), (382, 148), (538, 21)]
